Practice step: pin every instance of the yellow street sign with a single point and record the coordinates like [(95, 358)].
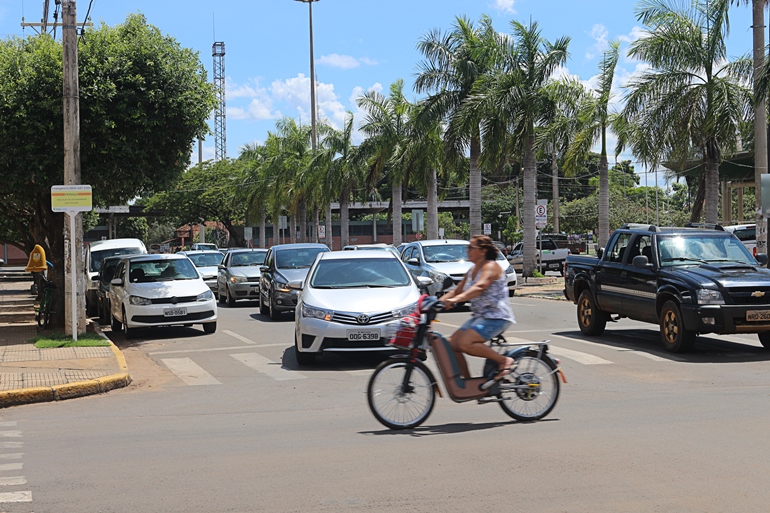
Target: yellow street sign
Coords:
[(71, 198)]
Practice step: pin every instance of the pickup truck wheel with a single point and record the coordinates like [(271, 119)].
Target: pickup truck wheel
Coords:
[(764, 339), (675, 337), (591, 320)]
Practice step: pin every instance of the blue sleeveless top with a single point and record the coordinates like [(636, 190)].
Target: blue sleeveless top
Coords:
[(493, 303)]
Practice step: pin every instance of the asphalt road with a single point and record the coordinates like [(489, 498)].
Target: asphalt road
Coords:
[(228, 422)]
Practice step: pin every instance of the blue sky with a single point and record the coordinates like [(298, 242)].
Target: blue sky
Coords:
[(358, 45)]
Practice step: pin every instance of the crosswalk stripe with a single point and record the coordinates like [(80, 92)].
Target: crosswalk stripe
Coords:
[(268, 367), (11, 466), (189, 372), (10, 434), (16, 497), (11, 481), (7, 423), (11, 445), (239, 337), (11, 456), (584, 358)]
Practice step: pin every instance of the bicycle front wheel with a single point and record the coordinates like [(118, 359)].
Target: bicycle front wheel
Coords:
[(398, 403), (531, 390)]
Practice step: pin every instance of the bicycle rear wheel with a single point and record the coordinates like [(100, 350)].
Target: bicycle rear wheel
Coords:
[(45, 315), (531, 390), (399, 406)]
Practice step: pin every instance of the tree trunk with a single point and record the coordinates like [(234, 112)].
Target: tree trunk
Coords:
[(697, 202), (474, 188), (604, 203), (262, 227), (329, 234), (395, 203), (302, 212), (316, 224), (530, 193), (712, 182), (555, 186), (293, 228), (760, 124), (344, 219), (432, 221)]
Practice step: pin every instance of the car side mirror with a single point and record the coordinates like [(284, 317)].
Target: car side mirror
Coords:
[(95, 278), (117, 281), (599, 253), (295, 284), (641, 262), (263, 268), (413, 261), (423, 282), (762, 258)]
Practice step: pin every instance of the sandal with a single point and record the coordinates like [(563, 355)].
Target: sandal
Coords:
[(505, 370)]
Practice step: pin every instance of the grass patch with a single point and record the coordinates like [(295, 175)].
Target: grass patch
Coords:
[(61, 340)]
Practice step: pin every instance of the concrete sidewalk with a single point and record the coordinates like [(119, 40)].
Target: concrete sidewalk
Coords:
[(29, 374)]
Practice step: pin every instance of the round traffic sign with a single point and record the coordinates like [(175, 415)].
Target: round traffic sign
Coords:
[(540, 210)]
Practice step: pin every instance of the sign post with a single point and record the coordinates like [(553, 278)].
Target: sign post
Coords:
[(72, 199)]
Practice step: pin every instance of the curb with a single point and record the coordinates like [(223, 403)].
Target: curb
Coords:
[(71, 390)]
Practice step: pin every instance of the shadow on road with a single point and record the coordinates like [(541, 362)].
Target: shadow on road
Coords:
[(449, 429)]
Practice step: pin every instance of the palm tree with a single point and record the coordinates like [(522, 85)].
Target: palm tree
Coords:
[(454, 61), (387, 126), (566, 97), (593, 121), (252, 192), (692, 101), (339, 157), (514, 101)]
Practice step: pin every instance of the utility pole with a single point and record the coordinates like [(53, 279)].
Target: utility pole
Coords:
[(71, 109)]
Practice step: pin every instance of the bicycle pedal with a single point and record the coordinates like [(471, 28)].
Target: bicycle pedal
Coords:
[(487, 384)]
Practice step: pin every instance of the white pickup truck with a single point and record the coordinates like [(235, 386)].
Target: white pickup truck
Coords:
[(552, 257)]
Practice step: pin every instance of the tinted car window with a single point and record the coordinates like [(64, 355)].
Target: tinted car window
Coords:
[(296, 258), (97, 257), (746, 234), (445, 253), (146, 271), (108, 271), (359, 273), (206, 259), (247, 258)]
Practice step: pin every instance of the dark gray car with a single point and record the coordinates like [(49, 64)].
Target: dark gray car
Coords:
[(285, 263)]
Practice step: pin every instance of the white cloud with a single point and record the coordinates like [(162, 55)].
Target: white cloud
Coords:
[(504, 6), (599, 35), (345, 61)]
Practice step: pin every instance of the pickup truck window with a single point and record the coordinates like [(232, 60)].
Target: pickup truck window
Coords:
[(641, 245), (700, 249), (617, 251)]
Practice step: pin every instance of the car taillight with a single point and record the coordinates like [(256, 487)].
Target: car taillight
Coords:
[(755, 251)]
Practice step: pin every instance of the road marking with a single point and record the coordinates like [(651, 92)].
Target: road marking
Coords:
[(189, 372), (239, 337), (210, 349), (10, 434), (7, 423), (11, 456), (11, 445), (268, 367), (360, 372), (16, 497), (11, 481), (11, 466), (633, 351), (584, 358)]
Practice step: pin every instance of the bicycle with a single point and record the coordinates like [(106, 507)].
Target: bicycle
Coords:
[(402, 390), (44, 310)]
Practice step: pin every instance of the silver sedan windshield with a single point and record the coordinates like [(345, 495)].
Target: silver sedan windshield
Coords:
[(359, 273)]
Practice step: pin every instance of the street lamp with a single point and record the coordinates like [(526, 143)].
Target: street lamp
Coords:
[(312, 74)]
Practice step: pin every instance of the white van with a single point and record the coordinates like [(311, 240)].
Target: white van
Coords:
[(96, 252), (747, 234)]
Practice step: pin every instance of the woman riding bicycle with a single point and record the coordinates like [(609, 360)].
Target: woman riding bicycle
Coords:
[(486, 286)]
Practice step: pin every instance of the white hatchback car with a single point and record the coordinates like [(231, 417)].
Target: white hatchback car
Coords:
[(347, 299), (160, 290)]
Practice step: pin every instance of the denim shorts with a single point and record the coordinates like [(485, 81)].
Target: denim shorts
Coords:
[(486, 328)]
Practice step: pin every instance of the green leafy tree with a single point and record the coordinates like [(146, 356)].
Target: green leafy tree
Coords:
[(134, 228), (206, 191), (143, 100)]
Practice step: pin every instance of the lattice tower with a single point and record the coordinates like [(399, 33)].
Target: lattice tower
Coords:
[(220, 120)]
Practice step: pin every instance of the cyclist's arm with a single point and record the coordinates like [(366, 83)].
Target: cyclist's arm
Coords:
[(490, 271)]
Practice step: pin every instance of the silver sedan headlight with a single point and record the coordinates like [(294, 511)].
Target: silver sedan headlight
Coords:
[(138, 300), (404, 311), (237, 279), (709, 297), (205, 296), (316, 313), (436, 276)]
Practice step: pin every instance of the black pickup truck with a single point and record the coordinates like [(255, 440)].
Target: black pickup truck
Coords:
[(691, 280)]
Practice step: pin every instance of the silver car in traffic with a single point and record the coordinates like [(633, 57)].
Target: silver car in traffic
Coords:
[(238, 275)]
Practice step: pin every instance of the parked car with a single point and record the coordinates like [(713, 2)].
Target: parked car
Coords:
[(106, 273), (687, 280), (437, 259), (238, 275), (285, 263), (747, 234), (207, 261), (96, 252), (388, 247), (552, 256), (348, 299), (159, 290)]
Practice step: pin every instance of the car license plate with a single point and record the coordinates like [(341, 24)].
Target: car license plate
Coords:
[(360, 335), (758, 315), (174, 312)]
